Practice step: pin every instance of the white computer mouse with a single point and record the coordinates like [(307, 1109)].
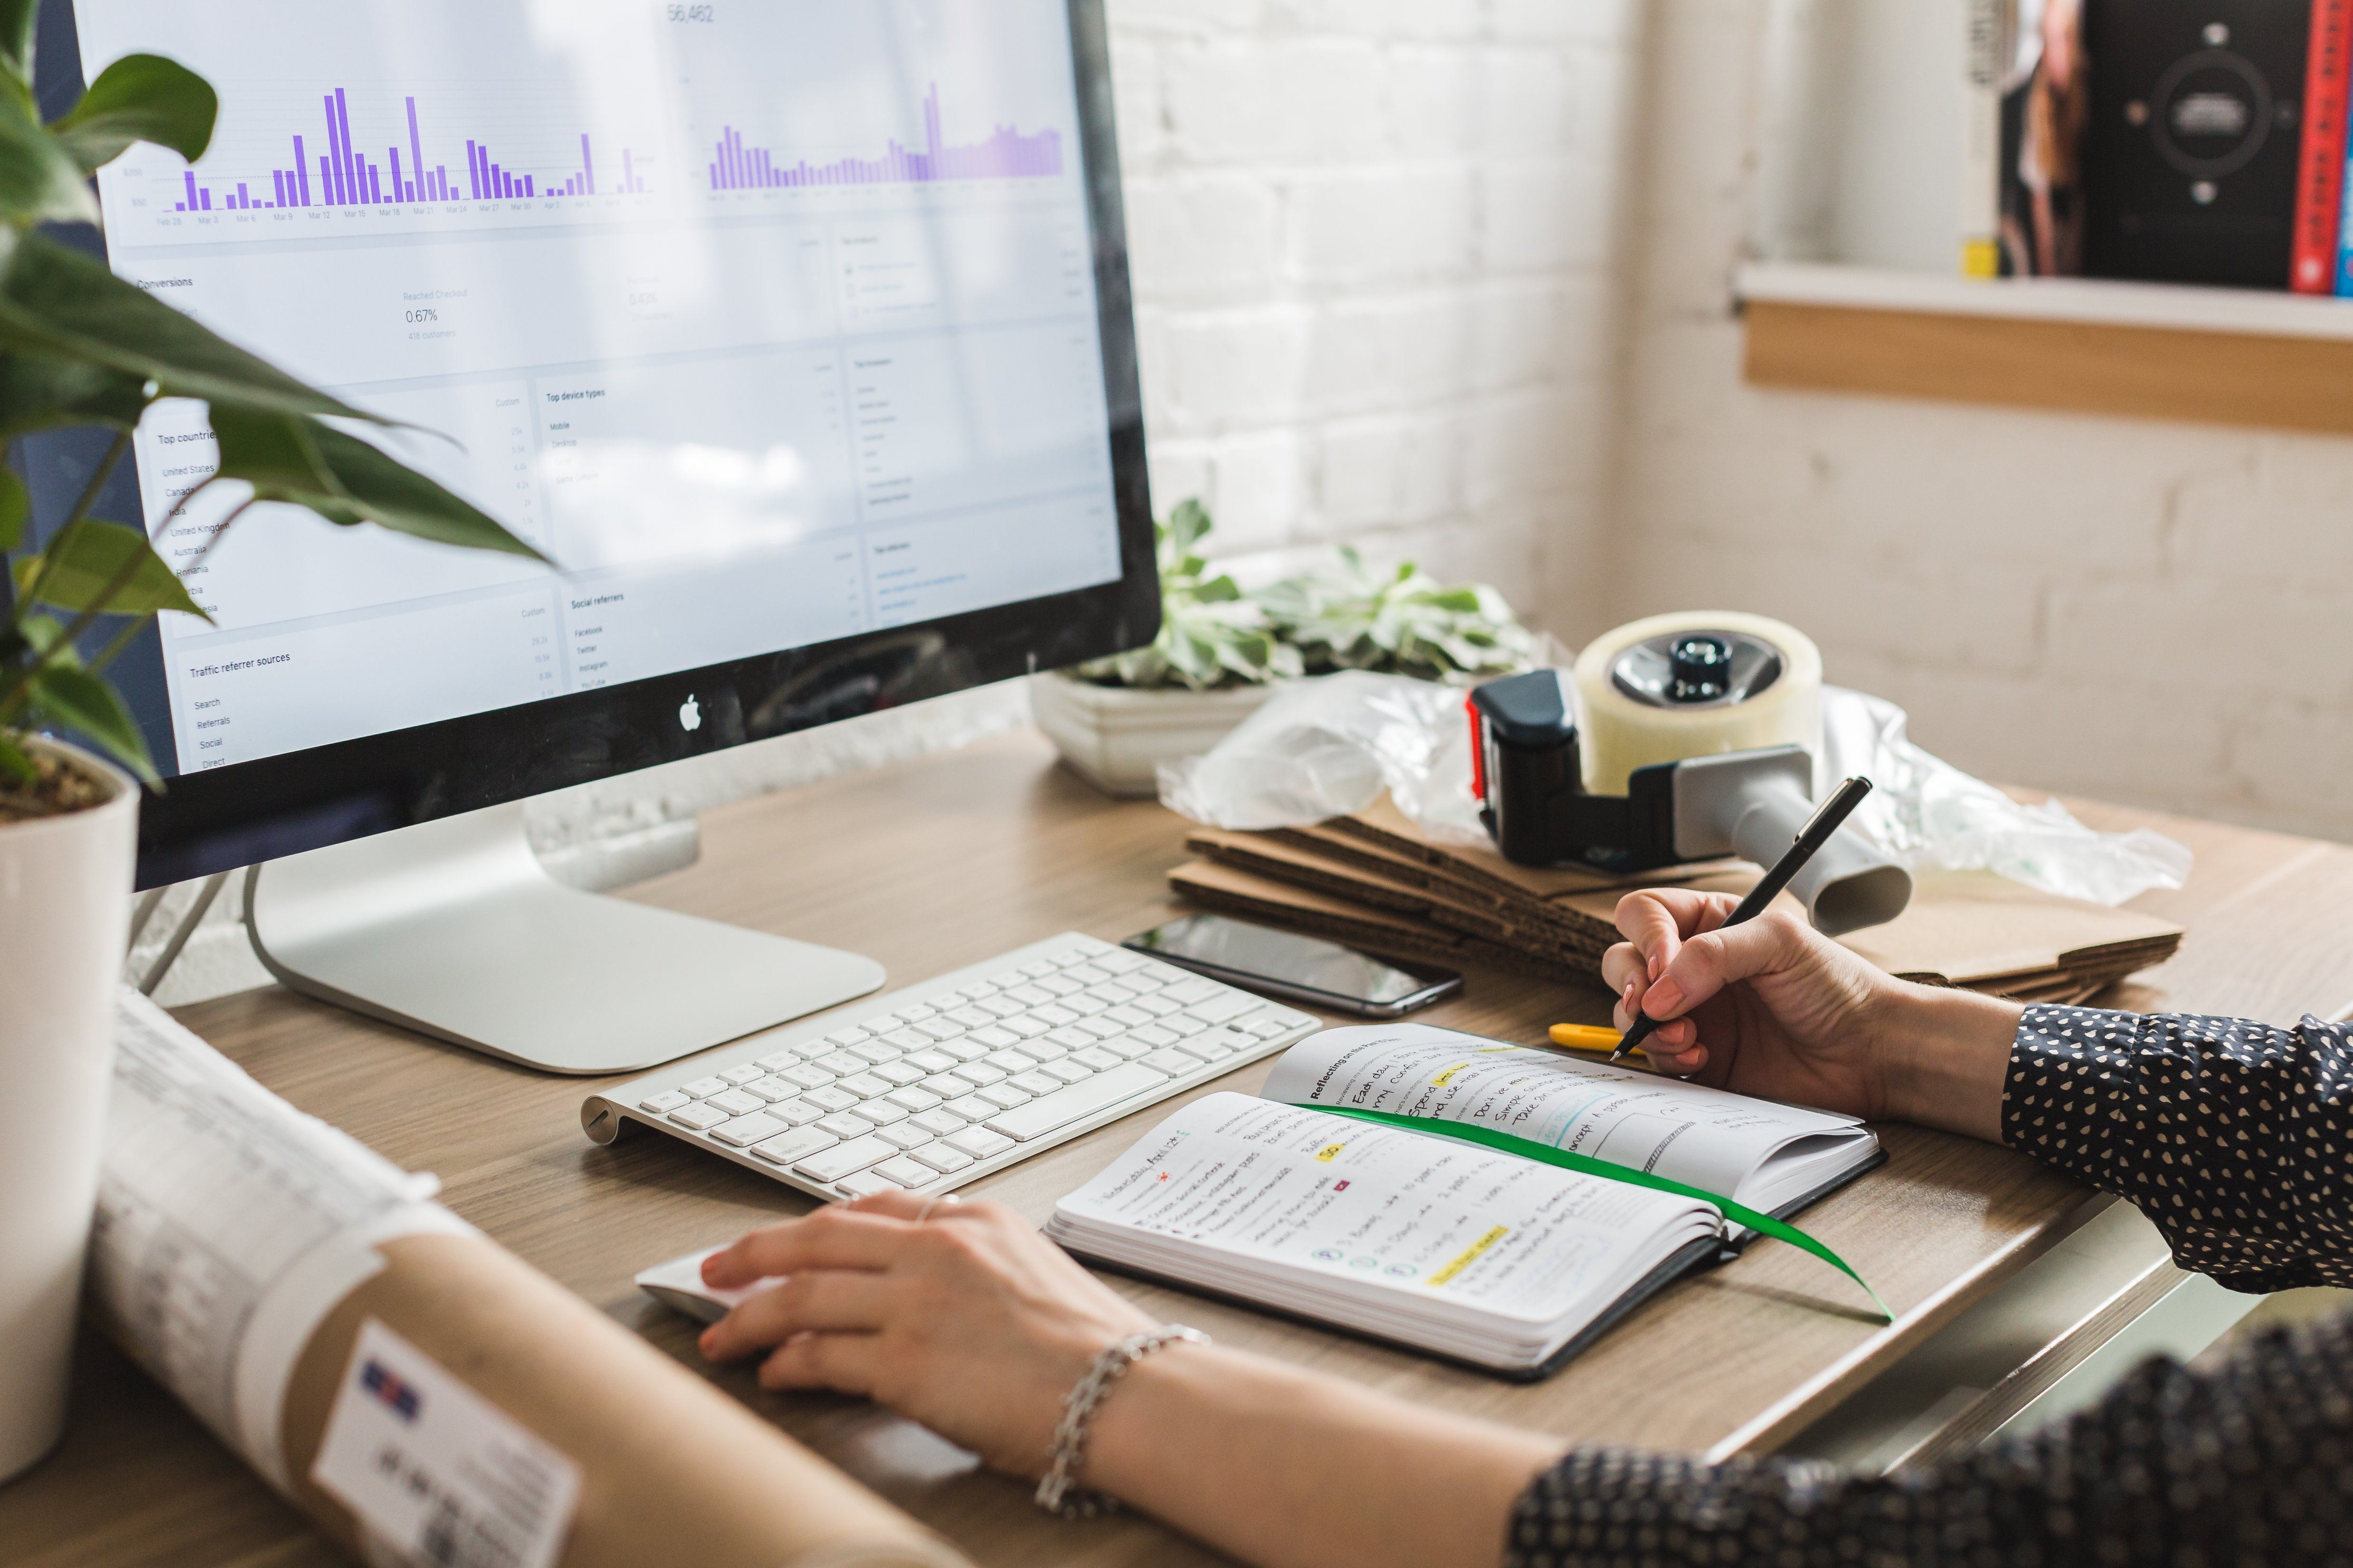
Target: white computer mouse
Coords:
[(678, 1285)]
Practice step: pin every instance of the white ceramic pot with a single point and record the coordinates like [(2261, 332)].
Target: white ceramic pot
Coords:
[(1116, 738), (65, 911)]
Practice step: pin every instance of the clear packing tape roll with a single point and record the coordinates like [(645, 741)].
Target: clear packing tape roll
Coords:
[(425, 1395), (1619, 733)]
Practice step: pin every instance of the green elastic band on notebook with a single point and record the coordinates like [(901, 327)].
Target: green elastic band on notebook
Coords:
[(1528, 1149)]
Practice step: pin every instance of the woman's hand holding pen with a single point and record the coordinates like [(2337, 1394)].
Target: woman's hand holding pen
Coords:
[(1776, 1009)]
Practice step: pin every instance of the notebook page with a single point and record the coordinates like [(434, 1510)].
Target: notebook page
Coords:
[(1372, 1211), (1704, 1137)]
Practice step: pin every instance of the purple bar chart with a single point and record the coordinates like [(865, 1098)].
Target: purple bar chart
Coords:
[(1005, 154), (347, 177)]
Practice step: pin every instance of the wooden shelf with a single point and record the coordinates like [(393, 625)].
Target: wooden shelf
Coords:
[(2143, 350)]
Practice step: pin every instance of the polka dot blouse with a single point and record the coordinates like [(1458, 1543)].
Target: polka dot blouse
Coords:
[(2236, 1140)]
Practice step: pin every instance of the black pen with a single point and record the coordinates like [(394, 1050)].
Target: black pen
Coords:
[(1811, 838)]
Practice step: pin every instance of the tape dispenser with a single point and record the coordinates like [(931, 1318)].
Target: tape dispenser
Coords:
[(1680, 738)]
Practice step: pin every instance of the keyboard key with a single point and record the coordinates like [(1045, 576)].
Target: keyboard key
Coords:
[(1055, 1015), (1028, 995), (1176, 1063), (943, 1028), (972, 1107), (907, 1172), (999, 1005), (704, 1088), (796, 1112), (1067, 1071), (907, 1135), (981, 1075), (972, 1047), (849, 1036), (874, 1053), (865, 1184), (702, 1118), (900, 1074), (1156, 1035), (1088, 973), (840, 1064), (1127, 1048), (1010, 1061), (865, 1086), (1004, 1096), (846, 1125), (1028, 1025), (830, 1098), (1120, 961), (1194, 989), (1071, 1038), (971, 1017), (993, 1038), (1061, 984), (975, 990), (1127, 1016), (1038, 967), (940, 1157), (773, 1090), (912, 1099), (949, 1001), (908, 1039), (1116, 991), (1158, 1007), (946, 1085), (1220, 1009), (746, 1131), (938, 1123), (786, 1147), (735, 1102), (1036, 1083), (739, 1076), (1094, 1058), (1219, 1043), (669, 1099), (931, 1061), (1008, 978), (1267, 1028), (978, 1141), (1086, 1004), (808, 1075), (778, 1061), (916, 1011), (844, 1159), (1048, 1113), (1102, 1028), (881, 1113)]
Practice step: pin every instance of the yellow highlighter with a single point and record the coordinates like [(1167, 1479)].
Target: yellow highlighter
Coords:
[(1585, 1037)]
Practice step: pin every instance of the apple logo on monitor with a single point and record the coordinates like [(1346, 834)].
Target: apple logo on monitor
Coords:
[(689, 714)]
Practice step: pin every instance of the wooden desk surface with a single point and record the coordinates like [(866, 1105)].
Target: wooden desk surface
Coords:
[(939, 862)]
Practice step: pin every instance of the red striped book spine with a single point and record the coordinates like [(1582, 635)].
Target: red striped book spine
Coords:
[(2320, 173)]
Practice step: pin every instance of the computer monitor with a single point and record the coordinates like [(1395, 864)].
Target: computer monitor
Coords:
[(796, 331)]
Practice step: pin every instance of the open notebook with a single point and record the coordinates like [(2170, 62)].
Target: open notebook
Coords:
[(1449, 1248)]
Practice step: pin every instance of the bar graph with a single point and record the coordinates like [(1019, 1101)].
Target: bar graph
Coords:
[(1005, 154), (348, 177)]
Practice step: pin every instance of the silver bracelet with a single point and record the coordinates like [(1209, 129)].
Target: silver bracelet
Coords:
[(1059, 1493)]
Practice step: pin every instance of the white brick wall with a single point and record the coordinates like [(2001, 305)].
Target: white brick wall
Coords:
[(2154, 613), (1372, 243)]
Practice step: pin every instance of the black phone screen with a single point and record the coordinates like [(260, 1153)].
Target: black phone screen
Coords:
[(1286, 958)]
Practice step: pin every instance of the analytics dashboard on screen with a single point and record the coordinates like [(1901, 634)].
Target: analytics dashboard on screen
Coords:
[(769, 321)]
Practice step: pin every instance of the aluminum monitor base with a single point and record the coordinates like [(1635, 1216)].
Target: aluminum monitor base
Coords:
[(453, 927)]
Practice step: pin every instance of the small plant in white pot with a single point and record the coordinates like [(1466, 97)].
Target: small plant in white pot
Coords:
[(1221, 651), (78, 347), (1116, 720)]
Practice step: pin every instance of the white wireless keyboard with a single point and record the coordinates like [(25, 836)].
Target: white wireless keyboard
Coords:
[(938, 1084)]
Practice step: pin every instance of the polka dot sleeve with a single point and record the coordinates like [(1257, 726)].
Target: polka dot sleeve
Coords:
[(2231, 1137)]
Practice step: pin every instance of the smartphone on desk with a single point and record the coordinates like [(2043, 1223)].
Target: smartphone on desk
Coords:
[(1303, 969)]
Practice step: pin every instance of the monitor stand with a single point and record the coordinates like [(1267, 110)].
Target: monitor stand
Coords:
[(454, 928)]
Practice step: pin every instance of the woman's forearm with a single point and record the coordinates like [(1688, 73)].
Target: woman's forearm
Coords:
[(1287, 1470), (1946, 1056)]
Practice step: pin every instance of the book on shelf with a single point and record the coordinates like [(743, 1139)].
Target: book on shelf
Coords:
[(1413, 1236)]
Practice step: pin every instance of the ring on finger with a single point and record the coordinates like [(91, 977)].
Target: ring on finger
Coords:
[(932, 1202)]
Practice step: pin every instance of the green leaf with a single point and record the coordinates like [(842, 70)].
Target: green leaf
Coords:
[(1187, 526), (347, 482), (16, 19), (15, 765), (38, 393), (39, 181), (15, 506), (86, 560), (140, 98), (82, 702), (54, 300)]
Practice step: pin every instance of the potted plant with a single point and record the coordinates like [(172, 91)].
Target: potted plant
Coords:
[(79, 347), (1221, 652), (1115, 720)]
